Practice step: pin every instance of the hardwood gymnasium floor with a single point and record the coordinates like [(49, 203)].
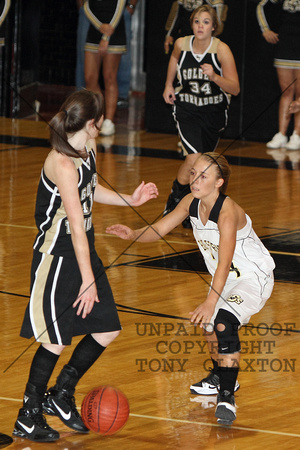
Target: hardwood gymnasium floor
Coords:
[(159, 354)]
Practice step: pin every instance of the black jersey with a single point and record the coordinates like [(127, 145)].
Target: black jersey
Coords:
[(194, 89), (287, 53), (54, 236), (104, 11), (288, 6)]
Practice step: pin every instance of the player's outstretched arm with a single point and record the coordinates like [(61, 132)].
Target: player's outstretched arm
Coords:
[(152, 233), (143, 193)]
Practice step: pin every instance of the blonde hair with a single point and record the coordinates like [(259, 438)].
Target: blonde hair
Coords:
[(223, 168), (212, 12)]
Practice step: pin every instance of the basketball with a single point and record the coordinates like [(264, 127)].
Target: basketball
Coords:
[(105, 410)]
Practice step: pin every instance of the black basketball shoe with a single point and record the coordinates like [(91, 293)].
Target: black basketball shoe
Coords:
[(31, 424), (178, 191), (62, 404), (209, 385), (60, 400), (226, 409)]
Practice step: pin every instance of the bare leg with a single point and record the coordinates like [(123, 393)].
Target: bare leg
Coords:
[(183, 174), (212, 344), (286, 79), (105, 339), (297, 96), (111, 64), (92, 64), (228, 360), (54, 348)]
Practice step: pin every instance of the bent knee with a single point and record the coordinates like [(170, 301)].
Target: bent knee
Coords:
[(226, 328), (105, 339), (220, 327), (54, 348)]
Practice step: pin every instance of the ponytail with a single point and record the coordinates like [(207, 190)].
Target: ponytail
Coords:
[(76, 111)]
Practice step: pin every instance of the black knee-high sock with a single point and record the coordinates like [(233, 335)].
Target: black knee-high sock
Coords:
[(85, 354), (228, 377), (41, 369)]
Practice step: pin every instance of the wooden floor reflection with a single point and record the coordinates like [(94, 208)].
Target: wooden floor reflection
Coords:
[(156, 358)]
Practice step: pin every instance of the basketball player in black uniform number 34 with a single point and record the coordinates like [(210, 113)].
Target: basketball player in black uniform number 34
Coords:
[(206, 76), (70, 293), (240, 266)]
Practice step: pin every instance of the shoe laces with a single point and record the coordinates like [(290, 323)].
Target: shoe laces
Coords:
[(70, 400), (38, 418), (212, 378), (227, 397)]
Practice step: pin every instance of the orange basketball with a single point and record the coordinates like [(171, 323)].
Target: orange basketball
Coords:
[(105, 410)]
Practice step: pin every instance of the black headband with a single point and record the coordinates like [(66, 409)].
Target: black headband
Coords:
[(206, 154)]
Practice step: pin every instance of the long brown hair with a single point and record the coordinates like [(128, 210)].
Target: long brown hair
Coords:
[(73, 115)]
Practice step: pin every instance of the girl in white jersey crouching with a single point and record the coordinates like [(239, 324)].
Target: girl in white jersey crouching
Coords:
[(240, 265)]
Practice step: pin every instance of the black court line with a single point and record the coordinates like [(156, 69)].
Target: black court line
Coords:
[(243, 161), (133, 310), (285, 242), (287, 261), (190, 261), (23, 141), (160, 262), (145, 152), (14, 148), (281, 232)]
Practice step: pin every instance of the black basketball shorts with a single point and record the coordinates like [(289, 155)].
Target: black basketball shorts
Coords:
[(55, 283)]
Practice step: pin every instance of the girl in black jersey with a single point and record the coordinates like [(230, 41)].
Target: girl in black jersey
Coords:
[(70, 293), (206, 74)]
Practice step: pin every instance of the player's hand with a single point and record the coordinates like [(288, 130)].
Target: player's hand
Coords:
[(169, 95), (202, 314), (143, 193), (208, 70), (122, 231), (103, 45), (271, 37), (86, 298), (107, 29), (168, 41), (294, 107)]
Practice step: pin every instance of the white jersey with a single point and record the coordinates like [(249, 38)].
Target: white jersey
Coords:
[(250, 255)]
